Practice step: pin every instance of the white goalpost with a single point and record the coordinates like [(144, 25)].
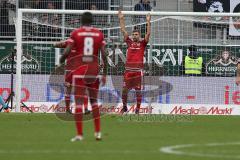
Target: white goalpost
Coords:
[(167, 86)]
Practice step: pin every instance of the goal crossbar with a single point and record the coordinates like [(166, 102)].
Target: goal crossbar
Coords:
[(153, 13)]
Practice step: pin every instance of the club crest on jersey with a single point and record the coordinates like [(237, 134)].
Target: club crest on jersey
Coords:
[(136, 44)]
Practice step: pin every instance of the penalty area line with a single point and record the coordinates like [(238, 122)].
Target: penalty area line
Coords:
[(174, 150)]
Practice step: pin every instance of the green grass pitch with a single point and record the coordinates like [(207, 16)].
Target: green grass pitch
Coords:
[(44, 136)]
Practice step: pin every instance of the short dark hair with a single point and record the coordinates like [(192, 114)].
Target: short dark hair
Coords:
[(192, 48), (136, 30), (87, 18)]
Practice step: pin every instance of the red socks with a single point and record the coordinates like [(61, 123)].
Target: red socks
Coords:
[(85, 103), (139, 99), (78, 119), (67, 102), (124, 100), (96, 116)]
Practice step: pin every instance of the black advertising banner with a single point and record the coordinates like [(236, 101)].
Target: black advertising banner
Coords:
[(211, 5), (36, 58), (161, 60)]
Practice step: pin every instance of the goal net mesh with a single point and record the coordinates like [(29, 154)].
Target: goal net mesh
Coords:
[(165, 78)]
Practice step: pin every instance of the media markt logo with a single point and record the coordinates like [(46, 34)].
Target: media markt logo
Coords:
[(222, 65), (29, 63)]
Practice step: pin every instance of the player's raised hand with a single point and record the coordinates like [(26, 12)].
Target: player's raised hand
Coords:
[(148, 17), (237, 80), (120, 14)]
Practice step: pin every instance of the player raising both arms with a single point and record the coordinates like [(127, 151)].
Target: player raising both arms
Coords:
[(68, 82), (87, 41), (134, 63)]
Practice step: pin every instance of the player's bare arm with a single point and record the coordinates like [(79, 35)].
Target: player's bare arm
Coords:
[(60, 44), (148, 19), (66, 52), (104, 58), (122, 24), (238, 74)]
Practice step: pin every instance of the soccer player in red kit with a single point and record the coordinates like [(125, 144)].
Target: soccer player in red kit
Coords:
[(87, 41), (134, 62), (68, 82)]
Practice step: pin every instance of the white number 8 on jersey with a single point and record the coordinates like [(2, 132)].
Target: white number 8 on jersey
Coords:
[(88, 46)]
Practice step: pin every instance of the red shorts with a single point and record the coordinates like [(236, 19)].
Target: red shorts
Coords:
[(69, 68), (68, 78), (82, 82), (80, 86), (133, 79), (85, 71)]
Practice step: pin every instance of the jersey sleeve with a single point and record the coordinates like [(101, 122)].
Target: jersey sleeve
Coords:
[(72, 37), (103, 41), (144, 42), (69, 41), (128, 40)]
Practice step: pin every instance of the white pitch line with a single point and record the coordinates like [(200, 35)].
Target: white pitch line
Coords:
[(174, 150)]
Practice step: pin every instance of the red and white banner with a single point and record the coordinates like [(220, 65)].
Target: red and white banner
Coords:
[(155, 108)]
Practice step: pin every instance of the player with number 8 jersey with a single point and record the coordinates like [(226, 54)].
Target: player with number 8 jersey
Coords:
[(87, 41)]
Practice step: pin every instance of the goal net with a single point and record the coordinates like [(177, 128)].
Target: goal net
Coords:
[(167, 85)]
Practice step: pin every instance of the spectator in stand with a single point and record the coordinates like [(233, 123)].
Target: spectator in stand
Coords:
[(93, 7), (38, 4), (99, 20), (95, 17), (49, 21), (4, 19), (143, 5), (6, 26), (74, 4), (52, 18)]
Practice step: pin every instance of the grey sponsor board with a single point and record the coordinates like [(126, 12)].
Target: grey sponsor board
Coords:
[(162, 90)]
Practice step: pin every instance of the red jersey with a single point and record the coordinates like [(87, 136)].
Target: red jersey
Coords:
[(72, 54), (135, 53), (87, 41), (66, 42)]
